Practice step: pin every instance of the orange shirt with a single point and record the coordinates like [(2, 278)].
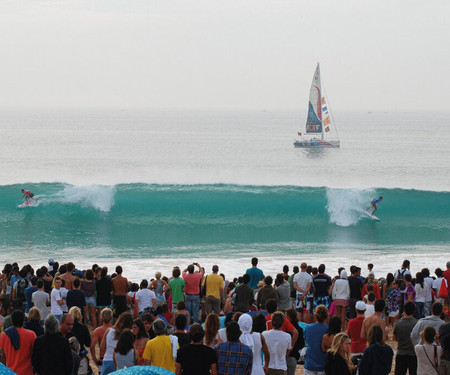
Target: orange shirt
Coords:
[(19, 360)]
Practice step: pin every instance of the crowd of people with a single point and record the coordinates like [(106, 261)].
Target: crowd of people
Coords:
[(58, 319)]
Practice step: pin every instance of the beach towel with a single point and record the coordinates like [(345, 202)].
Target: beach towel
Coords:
[(13, 335)]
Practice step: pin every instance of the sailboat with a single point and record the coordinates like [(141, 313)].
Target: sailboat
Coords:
[(319, 129)]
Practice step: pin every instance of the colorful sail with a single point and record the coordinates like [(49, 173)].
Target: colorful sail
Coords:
[(314, 121)]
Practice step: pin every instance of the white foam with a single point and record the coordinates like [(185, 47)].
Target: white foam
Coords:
[(96, 196)]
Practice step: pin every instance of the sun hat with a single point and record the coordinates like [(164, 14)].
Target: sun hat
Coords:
[(360, 305)]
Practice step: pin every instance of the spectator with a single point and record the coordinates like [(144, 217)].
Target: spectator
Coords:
[(161, 351), (214, 290), (406, 359), (337, 360), (315, 357), (256, 274), (192, 290), (377, 358), (33, 322), (358, 344), (432, 320), (243, 295), (428, 355)]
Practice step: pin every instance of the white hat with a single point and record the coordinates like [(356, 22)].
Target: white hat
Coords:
[(360, 305), (51, 261)]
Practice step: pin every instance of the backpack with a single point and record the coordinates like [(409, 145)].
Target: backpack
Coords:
[(400, 276), (22, 284)]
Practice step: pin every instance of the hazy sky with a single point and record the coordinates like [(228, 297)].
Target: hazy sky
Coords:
[(384, 54)]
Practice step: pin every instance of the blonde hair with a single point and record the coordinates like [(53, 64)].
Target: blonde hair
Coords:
[(158, 275), (336, 348), (34, 314), (76, 313)]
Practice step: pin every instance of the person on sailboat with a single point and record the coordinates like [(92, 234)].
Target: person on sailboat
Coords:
[(27, 195), (375, 203)]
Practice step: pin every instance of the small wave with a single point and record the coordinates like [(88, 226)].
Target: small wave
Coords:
[(98, 197)]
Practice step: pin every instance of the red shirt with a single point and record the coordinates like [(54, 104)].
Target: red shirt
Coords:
[(192, 281), (19, 360), (446, 276), (376, 291), (286, 327), (357, 344)]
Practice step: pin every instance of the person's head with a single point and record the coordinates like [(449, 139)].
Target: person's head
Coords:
[(277, 319), (425, 272), (334, 325), (321, 313), (180, 305), (34, 315), (51, 325), (286, 269), (212, 325), (76, 283), (17, 318), (448, 265), (291, 314), (321, 268), (295, 270), (271, 306), (254, 262), (215, 268), (279, 279), (190, 268), (176, 272), (246, 278), (360, 307), (376, 335), (89, 274), (138, 328), (106, 315), (380, 304), (196, 332), (124, 321), (233, 332), (268, 280), (429, 334), (370, 266), (147, 319), (381, 198), (180, 322), (409, 308), (144, 284), (436, 308), (438, 272), (66, 324), (341, 346), (58, 282), (23, 190), (343, 274), (303, 267), (40, 284), (76, 313), (407, 278), (259, 323), (371, 297), (125, 342), (405, 264), (159, 327), (70, 267)]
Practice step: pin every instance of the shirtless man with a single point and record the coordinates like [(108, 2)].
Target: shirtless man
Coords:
[(375, 203), (375, 319)]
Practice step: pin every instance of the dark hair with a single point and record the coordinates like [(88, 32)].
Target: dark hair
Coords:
[(438, 272), (89, 274), (436, 308), (144, 284), (315, 271), (190, 268), (40, 284), (419, 279), (271, 306), (196, 332), (321, 268), (407, 277), (176, 272), (295, 269), (141, 328), (17, 318), (334, 325), (389, 279), (277, 319), (246, 278), (180, 321), (380, 304), (134, 287), (254, 261), (285, 268), (429, 334), (371, 297), (279, 279), (104, 272), (70, 267), (409, 308), (425, 272), (125, 342), (124, 321), (376, 335), (119, 270), (405, 263), (181, 305), (233, 331), (259, 323), (370, 266), (215, 268), (76, 283), (33, 280), (268, 280), (291, 314)]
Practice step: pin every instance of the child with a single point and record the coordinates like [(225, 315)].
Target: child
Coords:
[(124, 353)]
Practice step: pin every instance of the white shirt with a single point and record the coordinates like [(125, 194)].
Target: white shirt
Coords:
[(437, 284), (341, 289), (428, 284), (424, 367), (278, 342), (421, 293), (55, 307), (370, 309), (40, 299), (145, 298), (302, 279)]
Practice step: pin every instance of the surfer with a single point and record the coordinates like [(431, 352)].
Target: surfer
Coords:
[(375, 203), (27, 195)]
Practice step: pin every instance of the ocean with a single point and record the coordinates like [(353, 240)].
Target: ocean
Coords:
[(153, 189)]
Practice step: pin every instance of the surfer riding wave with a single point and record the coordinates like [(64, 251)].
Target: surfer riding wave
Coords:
[(27, 195), (375, 203)]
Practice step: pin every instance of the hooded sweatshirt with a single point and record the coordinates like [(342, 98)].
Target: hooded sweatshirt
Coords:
[(376, 360)]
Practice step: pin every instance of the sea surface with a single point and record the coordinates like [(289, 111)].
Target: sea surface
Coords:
[(153, 189)]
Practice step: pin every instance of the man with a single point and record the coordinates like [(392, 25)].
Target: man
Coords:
[(322, 285), (302, 284), (119, 289), (233, 357), (176, 285), (357, 344), (214, 291), (355, 285), (56, 300), (76, 297), (243, 295), (196, 358), (20, 286), (145, 298), (51, 352), (375, 319), (278, 345), (432, 320), (67, 276), (27, 195), (287, 326), (41, 300), (16, 344), (106, 316), (266, 293), (160, 350), (428, 283), (29, 292), (192, 290), (446, 276), (66, 325), (406, 357), (375, 203), (256, 275)]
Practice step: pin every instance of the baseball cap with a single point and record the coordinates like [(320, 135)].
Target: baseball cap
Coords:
[(360, 305), (51, 261), (78, 273)]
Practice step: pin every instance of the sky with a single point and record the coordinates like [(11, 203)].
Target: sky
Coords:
[(229, 54)]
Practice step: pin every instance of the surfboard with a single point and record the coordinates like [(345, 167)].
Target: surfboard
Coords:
[(26, 204), (373, 217)]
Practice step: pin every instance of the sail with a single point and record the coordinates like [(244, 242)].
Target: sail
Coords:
[(314, 121)]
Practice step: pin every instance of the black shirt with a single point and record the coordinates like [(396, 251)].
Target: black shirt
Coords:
[(52, 355), (196, 359), (103, 287), (183, 339), (355, 287), (76, 297), (321, 284)]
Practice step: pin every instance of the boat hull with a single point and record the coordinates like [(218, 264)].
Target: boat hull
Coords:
[(317, 144)]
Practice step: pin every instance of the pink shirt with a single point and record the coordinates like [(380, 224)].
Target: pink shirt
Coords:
[(192, 281)]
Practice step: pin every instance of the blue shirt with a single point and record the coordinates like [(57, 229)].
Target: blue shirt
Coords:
[(234, 358), (256, 275), (28, 292), (315, 357), (376, 200)]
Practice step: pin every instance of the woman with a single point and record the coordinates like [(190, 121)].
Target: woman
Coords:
[(421, 295), (110, 339), (338, 361), (255, 341), (212, 325), (160, 287), (33, 322), (83, 336), (294, 354), (228, 304), (341, 296), (284, 293), (315, 357), (392, 303), (125, 355), (139, 332), (180, 310), (88, 286), (377, 358), (428, 355), (334, 327)]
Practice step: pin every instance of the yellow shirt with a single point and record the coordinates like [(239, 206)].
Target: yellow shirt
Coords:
[(159, 352), (213, 285)]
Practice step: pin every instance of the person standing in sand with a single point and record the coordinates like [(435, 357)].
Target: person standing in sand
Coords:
[(119, 289), (256, 275)]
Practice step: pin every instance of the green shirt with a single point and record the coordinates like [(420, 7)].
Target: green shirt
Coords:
[(176, 286)]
